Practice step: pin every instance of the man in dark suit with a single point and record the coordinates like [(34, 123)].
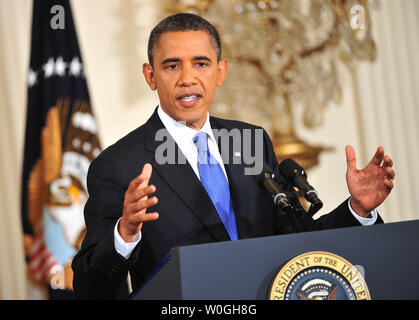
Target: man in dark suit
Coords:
[(140, 206)]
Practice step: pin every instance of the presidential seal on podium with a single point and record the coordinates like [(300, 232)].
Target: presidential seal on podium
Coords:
[(318, 275)]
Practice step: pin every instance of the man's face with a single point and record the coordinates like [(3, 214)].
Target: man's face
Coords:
[(185, 74)]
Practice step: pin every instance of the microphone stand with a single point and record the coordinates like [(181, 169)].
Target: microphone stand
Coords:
[(314, 207), (287, 202), (281, 199), (296, 213)]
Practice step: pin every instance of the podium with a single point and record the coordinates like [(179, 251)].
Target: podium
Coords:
[(245, 269)]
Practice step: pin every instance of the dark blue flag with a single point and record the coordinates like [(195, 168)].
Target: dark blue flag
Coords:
[(60, 142)]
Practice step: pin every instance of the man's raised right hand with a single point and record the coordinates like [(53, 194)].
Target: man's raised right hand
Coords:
[(136, 202)]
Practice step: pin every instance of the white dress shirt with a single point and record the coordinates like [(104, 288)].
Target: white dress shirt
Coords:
[(183, 137)]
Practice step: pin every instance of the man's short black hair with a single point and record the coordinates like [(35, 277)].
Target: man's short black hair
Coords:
[(183, 22)]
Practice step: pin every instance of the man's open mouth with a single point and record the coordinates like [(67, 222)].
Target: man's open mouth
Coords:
[(188, 100)]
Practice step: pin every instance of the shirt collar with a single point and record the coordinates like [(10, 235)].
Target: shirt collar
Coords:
[(178, 128)]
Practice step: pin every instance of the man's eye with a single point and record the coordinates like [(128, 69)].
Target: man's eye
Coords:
[(172, 66), (201, 64)]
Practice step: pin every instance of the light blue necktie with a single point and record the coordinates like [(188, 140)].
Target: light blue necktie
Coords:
[(216, 184)]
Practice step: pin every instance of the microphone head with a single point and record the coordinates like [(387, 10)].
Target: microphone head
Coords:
[(289, 169), (266, 173), (267, 168)]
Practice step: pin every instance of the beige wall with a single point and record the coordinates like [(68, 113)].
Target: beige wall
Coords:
[(380, 105)]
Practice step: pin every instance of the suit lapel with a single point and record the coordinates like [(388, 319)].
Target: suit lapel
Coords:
[(241, 198), (177, 176)]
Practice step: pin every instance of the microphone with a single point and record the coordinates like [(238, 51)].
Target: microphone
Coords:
[(267, 178), (295, 175)]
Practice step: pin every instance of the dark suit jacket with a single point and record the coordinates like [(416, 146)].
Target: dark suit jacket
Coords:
[(186, 213)]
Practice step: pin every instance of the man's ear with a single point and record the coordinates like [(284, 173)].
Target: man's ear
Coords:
[(148, 72), (222, 69)]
